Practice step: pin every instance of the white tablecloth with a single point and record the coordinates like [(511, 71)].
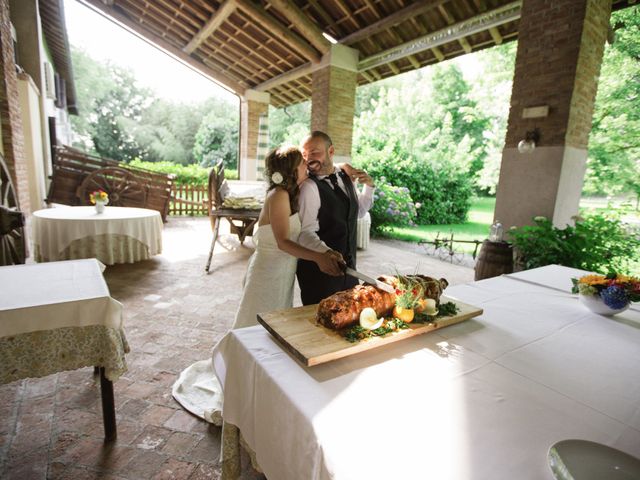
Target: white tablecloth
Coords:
[(119, 235), (484, 399), (64, 312)]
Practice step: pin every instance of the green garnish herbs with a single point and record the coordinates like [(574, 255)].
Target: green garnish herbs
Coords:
[(357, 333)]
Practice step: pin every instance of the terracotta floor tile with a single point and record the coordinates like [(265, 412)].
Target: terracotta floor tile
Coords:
[(173, 469), (145, 464), (205, 471), (156, 415), (180, 443), (182, 421)]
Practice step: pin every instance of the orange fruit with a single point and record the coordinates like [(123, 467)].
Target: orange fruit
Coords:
[(422, 304), (404, 314)]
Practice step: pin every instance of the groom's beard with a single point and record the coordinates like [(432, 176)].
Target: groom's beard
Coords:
[(314, 167)]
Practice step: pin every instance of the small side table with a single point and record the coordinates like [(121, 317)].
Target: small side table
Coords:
[(59, 316)]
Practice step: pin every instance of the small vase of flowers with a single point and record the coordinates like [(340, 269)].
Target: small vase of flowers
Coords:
[(607, 294), (99, 198)]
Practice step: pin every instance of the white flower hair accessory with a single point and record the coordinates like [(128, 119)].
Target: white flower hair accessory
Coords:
[(276, 177)]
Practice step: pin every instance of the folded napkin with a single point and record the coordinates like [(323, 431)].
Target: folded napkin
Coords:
[(250, 203)]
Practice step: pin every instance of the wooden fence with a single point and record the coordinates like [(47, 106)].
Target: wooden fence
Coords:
[(188, 200)]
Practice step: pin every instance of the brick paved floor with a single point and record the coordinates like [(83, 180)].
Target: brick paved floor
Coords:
[(174, 313)]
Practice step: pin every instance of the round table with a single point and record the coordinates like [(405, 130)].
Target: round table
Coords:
[(118, 235)]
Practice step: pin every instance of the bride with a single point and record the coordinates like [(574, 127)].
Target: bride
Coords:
[(270, 276), (268, 284)]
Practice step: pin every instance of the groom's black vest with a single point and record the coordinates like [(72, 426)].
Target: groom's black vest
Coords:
[(337, 222)]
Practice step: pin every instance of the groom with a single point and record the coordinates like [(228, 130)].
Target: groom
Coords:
[(330, 206)]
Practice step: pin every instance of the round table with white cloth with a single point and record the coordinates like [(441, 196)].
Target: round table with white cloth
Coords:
[(118, 235)]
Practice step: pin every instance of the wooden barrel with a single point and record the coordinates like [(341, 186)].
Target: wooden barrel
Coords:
[(494, 259)]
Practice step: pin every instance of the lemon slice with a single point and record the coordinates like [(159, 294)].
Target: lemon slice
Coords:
[(369, 319), (430, 307)]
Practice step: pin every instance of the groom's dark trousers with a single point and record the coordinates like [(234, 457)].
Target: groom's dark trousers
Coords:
[(337, 219)]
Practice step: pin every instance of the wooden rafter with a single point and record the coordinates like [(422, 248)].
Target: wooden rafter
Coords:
[(211, 26), (400, 16), (286, 77), (437, 53), (309, 29), (450, 21), (501, 15), (225, 81), (322, 12), (495, 34), (275, 28), (368, 77), (261, 47), (347, 13), (414, 63)]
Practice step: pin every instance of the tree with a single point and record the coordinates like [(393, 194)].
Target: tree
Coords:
[(217, 136), (170, 128), (492, 92), (289, 124), (111, 105), (614, 143)]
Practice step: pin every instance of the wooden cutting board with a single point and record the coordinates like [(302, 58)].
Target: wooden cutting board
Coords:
[(313, 344)]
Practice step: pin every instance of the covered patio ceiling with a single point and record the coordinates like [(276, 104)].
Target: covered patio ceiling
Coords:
[(274, 46)]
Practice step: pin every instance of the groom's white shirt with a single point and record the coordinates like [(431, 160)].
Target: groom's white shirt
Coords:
[(309, 203)]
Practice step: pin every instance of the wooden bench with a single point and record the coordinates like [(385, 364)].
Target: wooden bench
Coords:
[(241, 221), (76, 174)]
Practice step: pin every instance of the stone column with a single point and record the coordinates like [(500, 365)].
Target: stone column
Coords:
[(254, 111), (333, 98), (560, 48), (11, 119)]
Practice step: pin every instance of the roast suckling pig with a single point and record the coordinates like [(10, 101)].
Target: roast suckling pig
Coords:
[(342, 309)]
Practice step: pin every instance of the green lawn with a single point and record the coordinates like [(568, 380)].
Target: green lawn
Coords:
[(477, 228), (479, 223)]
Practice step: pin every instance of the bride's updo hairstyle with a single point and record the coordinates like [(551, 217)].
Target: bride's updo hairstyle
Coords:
[(281, 170)]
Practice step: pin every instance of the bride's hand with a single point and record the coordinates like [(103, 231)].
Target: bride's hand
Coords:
[(330, 262)]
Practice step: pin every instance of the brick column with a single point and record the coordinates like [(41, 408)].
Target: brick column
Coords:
[(254, 109), (11, 119), (560, 48), (333, 98)]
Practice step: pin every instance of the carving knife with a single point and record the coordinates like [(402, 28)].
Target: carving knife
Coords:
[(372, 281)]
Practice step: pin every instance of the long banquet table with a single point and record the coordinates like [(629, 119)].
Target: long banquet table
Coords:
[(483, 399), (118, 235)]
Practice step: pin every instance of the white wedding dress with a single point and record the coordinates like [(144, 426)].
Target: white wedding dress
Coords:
[(271, 274), (268, 285)]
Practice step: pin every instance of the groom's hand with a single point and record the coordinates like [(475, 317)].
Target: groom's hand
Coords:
[(331, 263), (357, 174)]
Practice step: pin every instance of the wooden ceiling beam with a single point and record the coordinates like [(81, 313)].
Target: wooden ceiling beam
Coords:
[(395, 18), (275, 28), (495, 34), (297, 17), (437, 53), (450, 21), (368, 77), (233, 85), (464, 43), (322, 12), (211, 25), (492, 18), (260, 48), (286, 77), (414, 62)]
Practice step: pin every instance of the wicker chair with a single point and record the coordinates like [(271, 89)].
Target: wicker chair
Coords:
[(241, 221)]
